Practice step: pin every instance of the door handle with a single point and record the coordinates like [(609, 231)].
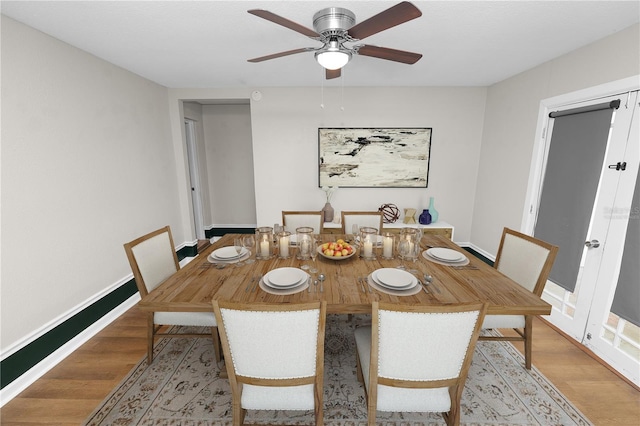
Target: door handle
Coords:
[(592, 244)]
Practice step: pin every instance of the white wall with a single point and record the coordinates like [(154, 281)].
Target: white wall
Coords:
[(227, 131), (285, 137), (510, 126), (284, 126), (87, 165)]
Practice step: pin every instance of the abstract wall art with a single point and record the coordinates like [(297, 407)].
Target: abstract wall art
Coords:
[(374, 157)]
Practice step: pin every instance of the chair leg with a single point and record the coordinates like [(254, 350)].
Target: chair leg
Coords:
[(216, 343), (452, 417), (372, 400), (371, 414), (150, 337), (359, 368), (528, 340), (318, 406), (237, 411)]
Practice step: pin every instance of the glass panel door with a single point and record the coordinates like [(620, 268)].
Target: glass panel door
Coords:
[(611, 337), (585, 313)]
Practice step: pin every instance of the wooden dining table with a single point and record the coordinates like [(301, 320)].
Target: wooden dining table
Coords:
[(199, 282)]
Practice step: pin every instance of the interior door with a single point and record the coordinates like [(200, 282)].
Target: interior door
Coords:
[(611, 337), (584, 311), (194, 176)]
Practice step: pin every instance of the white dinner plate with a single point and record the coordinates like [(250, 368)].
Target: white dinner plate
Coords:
[(395, 292), (284, 291), (227, 253), (285, 277), (216, 260), (463, 262), (394, 278), (243, 253), (445, 254)]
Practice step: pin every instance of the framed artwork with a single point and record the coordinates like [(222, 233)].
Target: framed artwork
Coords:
[(374, 157)]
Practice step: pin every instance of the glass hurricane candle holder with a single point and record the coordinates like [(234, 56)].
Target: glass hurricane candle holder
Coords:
[(368, 237), (283, 239), (304, 241), (264, 243), (388, 243), (411, 235)]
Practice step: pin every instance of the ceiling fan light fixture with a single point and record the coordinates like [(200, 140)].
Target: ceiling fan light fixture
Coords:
[(333, 60)]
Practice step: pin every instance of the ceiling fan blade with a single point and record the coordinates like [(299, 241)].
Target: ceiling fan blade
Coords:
[(395, 15), (281, 54), (270, 16), (389, 54), (333, 73)]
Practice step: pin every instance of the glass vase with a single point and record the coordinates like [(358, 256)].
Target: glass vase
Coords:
[(432, 210)]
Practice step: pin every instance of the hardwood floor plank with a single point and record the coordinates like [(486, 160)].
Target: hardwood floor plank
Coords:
[(69, 389), (69, 392), (48, 411)]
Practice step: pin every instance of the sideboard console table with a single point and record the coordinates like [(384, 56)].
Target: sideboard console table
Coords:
[(436, 228)]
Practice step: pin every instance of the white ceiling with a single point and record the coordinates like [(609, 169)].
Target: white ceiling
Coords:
[(206, 44)]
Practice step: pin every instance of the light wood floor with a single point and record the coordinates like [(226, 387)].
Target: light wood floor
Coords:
[(68, 393)]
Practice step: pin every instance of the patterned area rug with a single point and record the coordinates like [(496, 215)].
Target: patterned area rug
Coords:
[(182, 387)]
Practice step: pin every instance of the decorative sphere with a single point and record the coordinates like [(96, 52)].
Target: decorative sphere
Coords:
[(390, 213)]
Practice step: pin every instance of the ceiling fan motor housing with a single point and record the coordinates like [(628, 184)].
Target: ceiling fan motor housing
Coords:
[(333, 21)]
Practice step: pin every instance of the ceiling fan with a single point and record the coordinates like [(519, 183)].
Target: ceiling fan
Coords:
[(334, 27)]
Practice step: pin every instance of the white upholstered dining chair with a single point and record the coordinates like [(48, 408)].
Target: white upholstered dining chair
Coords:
[(527, 261), (416, 358), (372, 219), (153, 259), (291, 220), (274, 355)]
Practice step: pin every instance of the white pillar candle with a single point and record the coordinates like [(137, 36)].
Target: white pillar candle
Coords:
[(284, 246), (368, 249), (387, 247), (304, 247), (264, 248)]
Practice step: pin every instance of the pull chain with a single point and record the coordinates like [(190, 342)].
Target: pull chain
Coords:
[(342, 86), (322, 89)]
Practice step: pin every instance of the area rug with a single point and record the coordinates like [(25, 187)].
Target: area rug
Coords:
[(182, 387)]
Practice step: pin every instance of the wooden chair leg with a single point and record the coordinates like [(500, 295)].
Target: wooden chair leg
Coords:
[(319, 406), (359, 368), (372, 400), (150, 337), (528, 340), (237, 410), (371, 414), (452, 418), (216, 343)]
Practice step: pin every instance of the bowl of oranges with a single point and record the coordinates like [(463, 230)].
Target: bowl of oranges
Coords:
[(338, 250)]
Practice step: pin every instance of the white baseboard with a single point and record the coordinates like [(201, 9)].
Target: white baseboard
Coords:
[(482, 252), (21, 383)]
